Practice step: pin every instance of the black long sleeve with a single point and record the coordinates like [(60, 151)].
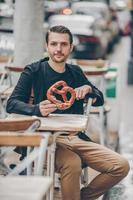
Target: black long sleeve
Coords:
[(19, 99)]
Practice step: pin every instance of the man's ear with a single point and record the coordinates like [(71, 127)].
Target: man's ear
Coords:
[(72, 46), (46, 47)]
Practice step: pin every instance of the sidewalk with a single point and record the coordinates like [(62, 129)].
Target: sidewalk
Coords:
[(121, 118)]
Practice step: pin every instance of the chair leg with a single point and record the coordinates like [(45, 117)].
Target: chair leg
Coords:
[(85, 177), (29, 168), (42, 154), (51, 164), (50, 168), (2, 112), (27, 160)]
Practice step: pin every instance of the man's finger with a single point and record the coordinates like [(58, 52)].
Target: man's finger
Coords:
[(77, 93), (47, 106), (94, 100), (47, 111), (45, 102), (80, 94)]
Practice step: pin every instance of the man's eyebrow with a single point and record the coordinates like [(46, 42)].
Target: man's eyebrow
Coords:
[(53, 41), (59, 42)]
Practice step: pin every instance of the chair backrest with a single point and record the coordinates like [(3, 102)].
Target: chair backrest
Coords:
[(17, 124), (13, 69), (92, 63), (6, 59), (12, 138), (24, 187), (92, 67)]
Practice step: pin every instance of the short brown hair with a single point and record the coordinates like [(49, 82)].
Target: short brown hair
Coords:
[(60, 29)]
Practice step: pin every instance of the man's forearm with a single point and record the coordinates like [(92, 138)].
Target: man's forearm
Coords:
[(22, 108)]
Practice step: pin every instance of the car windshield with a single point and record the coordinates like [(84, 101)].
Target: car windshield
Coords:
[(89, 12)]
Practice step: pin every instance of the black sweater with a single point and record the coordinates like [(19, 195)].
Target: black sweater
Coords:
[(40, 76)]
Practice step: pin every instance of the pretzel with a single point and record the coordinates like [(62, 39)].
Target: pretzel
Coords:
[(65, 104)]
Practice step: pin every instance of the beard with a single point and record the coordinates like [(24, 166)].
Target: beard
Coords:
[(58, 58)]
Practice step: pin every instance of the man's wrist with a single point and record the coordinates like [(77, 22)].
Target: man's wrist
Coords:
[(37, 111), (89, 88)]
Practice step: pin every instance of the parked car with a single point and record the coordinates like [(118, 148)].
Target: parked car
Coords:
[(6, 10), (103, 13), (54, 7), (89, 39), (123, 15), (124, 20)]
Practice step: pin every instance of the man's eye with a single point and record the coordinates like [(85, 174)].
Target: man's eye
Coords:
[(53, 44), (64, 44)]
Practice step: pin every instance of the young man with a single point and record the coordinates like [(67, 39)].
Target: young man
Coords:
[(72, 151)]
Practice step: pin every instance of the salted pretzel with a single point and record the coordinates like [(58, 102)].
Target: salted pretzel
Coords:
[(55, 89)]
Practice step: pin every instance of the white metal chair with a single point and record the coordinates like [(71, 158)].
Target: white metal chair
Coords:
[(24, 140), (20, 132), (7, 85), (10, 135), (96, 70)]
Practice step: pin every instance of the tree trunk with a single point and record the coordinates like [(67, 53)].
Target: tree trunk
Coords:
[(28, 31)]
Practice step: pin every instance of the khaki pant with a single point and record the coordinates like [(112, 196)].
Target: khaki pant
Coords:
[(72, 152)]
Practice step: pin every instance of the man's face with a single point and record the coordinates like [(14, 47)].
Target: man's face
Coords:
[(59, 47)]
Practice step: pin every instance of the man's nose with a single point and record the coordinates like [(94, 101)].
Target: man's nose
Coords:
[(58, 47)]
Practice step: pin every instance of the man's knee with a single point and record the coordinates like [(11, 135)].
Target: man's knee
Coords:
[(122, 167)]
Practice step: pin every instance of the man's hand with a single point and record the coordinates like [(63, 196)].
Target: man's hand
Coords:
[(82, 91), (46, 107)]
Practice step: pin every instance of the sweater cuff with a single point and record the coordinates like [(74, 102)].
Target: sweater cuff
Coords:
[(37, 111)]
